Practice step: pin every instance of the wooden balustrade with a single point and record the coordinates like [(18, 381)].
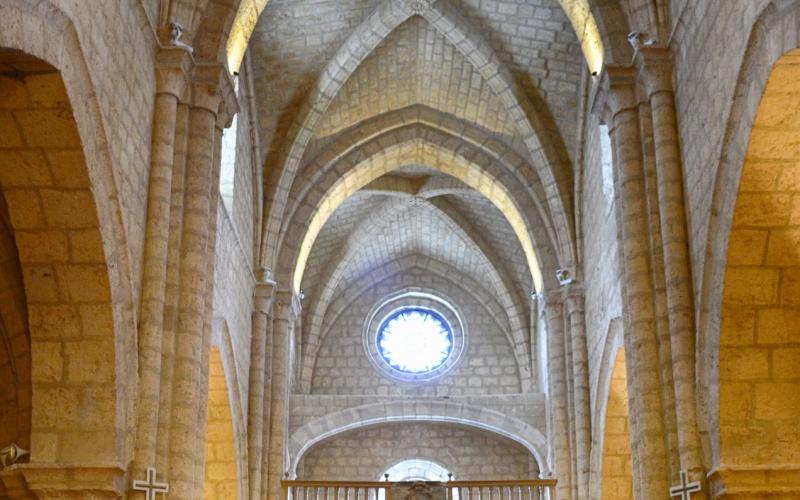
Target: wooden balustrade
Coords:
[(535, 489), (337, 490), (538, 489)]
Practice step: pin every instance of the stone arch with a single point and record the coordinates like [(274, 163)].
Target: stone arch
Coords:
[(222, 463), (416, 146), (222, 342), (71, 242), (15, 342), (759, 333), (498, 159), (616, 467), (774, 34), (548, 159), (602, 385), (325, 427), (417, 119), (214, 27), (613, 28)]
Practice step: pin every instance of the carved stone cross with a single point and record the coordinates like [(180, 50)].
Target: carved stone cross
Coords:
[(150, 486), (685, 489)]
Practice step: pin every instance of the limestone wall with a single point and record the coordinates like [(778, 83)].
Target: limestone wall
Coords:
[(487, 366), (233, 271), (600, 252)]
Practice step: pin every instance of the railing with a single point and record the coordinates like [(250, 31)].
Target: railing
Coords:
[(537, 489), (336, 490)]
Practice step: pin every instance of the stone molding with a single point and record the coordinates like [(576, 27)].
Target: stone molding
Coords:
[(64, 481), (754, 480)]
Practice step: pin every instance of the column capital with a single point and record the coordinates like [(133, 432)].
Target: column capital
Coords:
[(616, 91), (288, 305), (206, 86), (551, 298), (654, 67), (264, 293), (574, 295), (174, 67), (574, 290)]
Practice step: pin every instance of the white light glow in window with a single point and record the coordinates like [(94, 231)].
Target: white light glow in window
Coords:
[(415, 340), (417, 470)]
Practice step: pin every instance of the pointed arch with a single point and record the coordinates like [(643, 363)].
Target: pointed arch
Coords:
[(89, 320), (774, 34)]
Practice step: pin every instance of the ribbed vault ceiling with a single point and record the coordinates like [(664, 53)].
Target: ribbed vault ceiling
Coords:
[(416, 65), (491, 86)]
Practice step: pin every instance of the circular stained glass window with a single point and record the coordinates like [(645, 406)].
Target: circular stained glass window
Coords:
[(415, 340)]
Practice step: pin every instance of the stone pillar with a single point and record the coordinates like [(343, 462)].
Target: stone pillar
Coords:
[(656, 71), (173, 278), (192, 281), (659, 291), (554, 313), (286, 311), (267, 404), (641, 345), (580, 386), (202, 403), (533, 339), (258, 352), (173, 65)]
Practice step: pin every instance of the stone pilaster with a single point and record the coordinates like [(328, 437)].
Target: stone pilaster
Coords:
[(580, 387), (286, 311), (554, 314), (202, 404), (267, 401), (173, 286), (641, 344), (193, 280), (659, 291), (655, 69), (172, 77), (258, 352)]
